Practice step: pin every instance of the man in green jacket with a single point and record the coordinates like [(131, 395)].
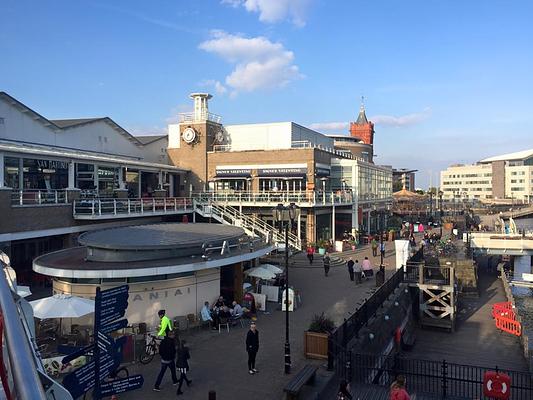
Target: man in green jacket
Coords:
[(166, 324)]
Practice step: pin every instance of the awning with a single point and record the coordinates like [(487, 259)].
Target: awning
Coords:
[(234, 173), (322, 172), (295, 173)]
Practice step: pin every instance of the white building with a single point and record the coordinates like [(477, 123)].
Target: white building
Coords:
[(508, 176)]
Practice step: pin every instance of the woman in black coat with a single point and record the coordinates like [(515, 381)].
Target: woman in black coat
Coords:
[(182, 365)]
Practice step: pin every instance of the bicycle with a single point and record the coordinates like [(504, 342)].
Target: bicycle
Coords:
[(150, 350), (119, 373)]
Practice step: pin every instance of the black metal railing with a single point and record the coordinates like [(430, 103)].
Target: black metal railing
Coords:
[(343, 334), (438, 378)]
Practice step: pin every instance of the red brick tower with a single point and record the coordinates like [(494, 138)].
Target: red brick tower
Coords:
[(362, 128)]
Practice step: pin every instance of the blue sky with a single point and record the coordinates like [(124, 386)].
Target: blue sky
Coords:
[(445, 81)]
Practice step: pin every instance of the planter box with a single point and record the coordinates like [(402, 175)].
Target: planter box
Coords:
[(316, 345), (448, 226), (321, 251)]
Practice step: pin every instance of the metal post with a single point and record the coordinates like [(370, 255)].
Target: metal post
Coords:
[(287, 343), (381, 246), (444, 378), (114, 207), (25, 377)]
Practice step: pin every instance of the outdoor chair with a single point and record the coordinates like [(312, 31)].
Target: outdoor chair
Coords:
[(224, 322), (193, 322), (237, 319), (181, 323), (202, 322)]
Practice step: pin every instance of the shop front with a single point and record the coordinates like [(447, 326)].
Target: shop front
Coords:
[(287, 179), (233, 179)]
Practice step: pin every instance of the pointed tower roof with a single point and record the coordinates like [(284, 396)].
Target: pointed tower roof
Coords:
[(361, 118)]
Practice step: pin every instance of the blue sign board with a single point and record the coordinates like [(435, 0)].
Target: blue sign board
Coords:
[(110, 305), (121, 385), (114, 326)]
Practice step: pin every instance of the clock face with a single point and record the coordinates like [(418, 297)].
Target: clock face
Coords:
[(189, 135)]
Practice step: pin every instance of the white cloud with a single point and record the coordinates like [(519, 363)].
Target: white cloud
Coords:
[(386, 120), (272, 11), (330, 126), (259, 63), (403, 120), (219, 87)]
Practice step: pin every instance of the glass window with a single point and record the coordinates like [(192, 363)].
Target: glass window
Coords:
[(11, 172), (85, 176), (45, 174)]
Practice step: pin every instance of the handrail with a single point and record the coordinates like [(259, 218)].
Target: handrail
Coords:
[(24, 371), (38, 197), (299, 197), (147, 205), (250, 223)]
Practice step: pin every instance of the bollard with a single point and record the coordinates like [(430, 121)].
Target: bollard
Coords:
[(212, 395)]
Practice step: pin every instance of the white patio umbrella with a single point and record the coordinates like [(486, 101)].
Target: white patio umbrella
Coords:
[(261, 273), (62, 306), (272, 268)]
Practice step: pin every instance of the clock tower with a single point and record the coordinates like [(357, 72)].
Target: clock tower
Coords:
[(191, 139)]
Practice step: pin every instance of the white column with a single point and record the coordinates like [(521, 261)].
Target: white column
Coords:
[(333, 223), (71, 175), (299, 226), (160, 179), (171, 185), (121, 183), (2, 170), (368, 223), (96, 177)]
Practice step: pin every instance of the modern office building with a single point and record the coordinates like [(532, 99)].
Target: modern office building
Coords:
[(403, 179), (508, 176)]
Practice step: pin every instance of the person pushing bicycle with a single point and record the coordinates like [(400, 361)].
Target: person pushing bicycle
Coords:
[(166, 324)]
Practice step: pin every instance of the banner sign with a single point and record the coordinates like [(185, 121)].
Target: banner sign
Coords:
[(282, 172), (233, 172)]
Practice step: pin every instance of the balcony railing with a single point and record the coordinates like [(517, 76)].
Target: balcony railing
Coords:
[(38, 197), (124, 208), (194, 117), (303, 198), (299, 144)]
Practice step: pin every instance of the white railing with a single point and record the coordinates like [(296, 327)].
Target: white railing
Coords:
[(109, 208), (38, 197), (252, 225), (300, 198), (194, 117), (298, 144)]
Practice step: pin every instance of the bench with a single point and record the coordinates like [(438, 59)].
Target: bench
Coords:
[(305, 376)]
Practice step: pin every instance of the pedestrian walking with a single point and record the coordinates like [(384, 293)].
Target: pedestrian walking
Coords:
[(167, 352), (374, 244), (382, 248), (310, 254), (350, 265), (252, 347), (397, 389), (367, 268), (182, 364), (357, 271), (326, 262)]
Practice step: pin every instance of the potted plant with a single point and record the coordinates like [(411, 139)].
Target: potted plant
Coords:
[(322, 244), (316, 337), (352, 244)]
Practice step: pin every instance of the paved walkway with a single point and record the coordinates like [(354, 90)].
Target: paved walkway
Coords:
[(476, 340), (218, 361)]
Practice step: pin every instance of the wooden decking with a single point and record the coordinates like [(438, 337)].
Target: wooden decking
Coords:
[(476, 340)]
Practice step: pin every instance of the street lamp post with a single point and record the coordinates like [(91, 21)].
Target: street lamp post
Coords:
[(281, 217), (440, 212)]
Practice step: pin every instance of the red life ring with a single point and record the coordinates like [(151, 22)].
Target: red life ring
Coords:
[(496, 385)]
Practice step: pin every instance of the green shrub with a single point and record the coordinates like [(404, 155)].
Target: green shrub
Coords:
[(321, 323)]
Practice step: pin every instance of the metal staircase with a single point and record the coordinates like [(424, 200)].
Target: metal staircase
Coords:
[(253, 226)]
